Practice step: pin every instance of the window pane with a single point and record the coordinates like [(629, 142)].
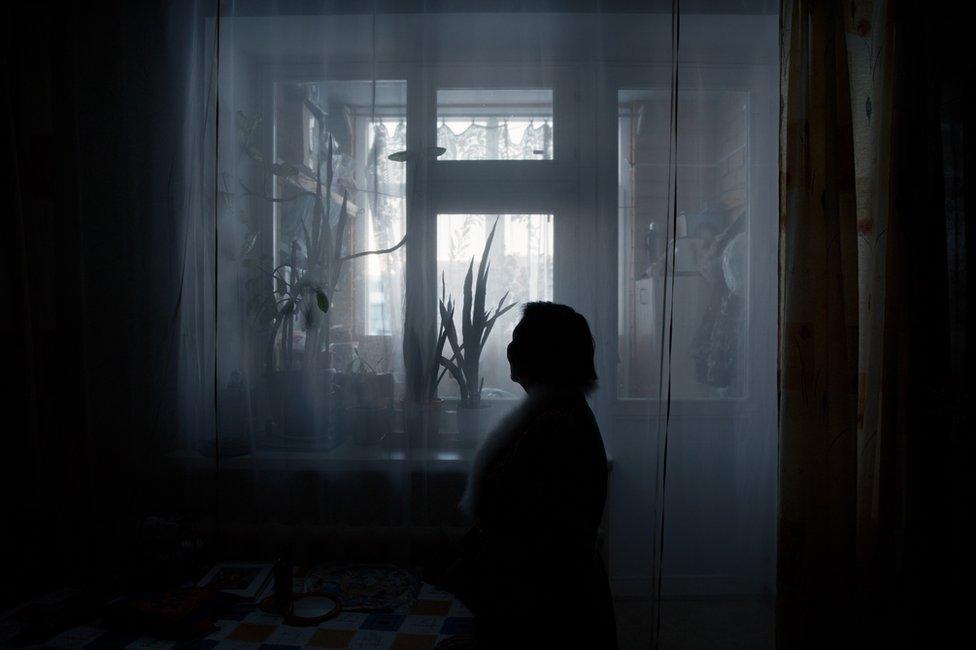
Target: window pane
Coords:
[(363, 122), (520, 264), (710, 245), (493, 124)]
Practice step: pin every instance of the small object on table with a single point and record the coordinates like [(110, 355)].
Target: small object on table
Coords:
[(181, 614), (305, 609), (366, 587), (244, 579), (433, 617), (283, 594)]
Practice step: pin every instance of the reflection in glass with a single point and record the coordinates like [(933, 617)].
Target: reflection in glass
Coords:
[(707, 244), (360, 123)]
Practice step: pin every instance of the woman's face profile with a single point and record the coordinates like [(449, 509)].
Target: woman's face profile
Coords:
[(513, 357)]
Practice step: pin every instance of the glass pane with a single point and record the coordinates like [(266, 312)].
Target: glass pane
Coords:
[(710, 244), (360, 123), (520, 264), (493, 124)]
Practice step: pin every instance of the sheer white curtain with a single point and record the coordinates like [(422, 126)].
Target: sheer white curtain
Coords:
[(627, 165)]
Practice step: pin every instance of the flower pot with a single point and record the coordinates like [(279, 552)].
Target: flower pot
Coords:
[(355, 389), (474, 423), (368, 425), (422, 422), (301, 404)]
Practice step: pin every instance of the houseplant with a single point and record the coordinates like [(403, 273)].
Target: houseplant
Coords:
[(365, 401), (422, 407), (294, 298), (473, 419)]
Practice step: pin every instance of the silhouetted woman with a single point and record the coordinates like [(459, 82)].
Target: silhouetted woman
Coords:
[(529, 568)]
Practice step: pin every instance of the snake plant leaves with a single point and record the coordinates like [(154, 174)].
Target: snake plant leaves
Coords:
[(482, 286)]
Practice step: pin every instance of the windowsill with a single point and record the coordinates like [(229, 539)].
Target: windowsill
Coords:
[(347, 456), (682, 408)]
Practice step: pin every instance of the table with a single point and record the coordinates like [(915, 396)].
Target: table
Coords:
[(435, 615)]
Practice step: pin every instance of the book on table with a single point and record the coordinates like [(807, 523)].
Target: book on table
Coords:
[(248, 580)]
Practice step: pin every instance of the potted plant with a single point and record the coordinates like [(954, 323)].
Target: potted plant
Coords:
[(293, 298), (365, 399), (473, 418), (421, 408)]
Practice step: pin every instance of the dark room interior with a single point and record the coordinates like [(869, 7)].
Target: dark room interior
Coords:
[(487, 324)]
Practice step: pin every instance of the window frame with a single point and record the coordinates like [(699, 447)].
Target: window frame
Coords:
[(761, 198), (271, 75), (578, 187), (496, 186)]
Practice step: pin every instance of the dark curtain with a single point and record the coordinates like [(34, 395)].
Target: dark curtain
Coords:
[(818, 326), (93, 108), (874, 500), (922, 562)]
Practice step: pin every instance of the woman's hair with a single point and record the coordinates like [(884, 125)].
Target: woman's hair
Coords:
[(552, 345)]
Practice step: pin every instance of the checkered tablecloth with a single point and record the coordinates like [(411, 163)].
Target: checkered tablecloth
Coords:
[(433, 616)]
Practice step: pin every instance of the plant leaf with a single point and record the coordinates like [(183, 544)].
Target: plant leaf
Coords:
[(456, 373), (310, 249), (322, 301), (482, 286), (491, 321), (253, 153), (467, 326), (450, 332), (341, 227), (248, 245), (284, 169), (317, 218)]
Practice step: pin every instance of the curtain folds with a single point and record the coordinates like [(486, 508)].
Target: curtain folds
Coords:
[(818, 312), (870, 488), (105, 120)]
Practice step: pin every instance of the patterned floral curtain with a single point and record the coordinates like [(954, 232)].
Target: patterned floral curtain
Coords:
[(818, 325), (496, 141), (868, 459)]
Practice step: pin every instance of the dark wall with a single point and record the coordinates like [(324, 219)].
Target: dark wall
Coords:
[(92, 117), (940, 495)]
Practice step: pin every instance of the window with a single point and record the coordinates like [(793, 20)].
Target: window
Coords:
[(521, 270), (385, 226), (495, 124), (360, 123), (710, 243)]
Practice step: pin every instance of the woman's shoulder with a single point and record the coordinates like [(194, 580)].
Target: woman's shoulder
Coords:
[(566, 412), (566, 427)]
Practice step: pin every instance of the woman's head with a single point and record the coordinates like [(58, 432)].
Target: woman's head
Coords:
[(552, 346)]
